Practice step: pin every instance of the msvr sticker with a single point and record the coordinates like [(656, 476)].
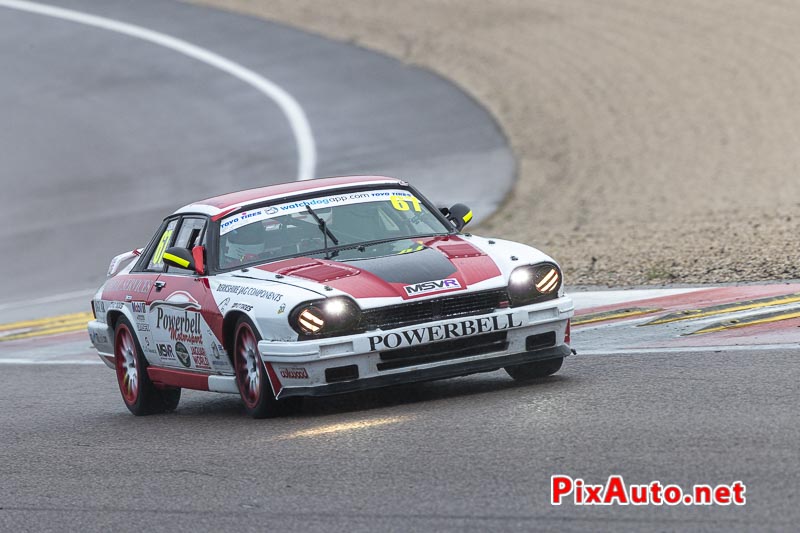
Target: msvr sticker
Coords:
[(418, 289)]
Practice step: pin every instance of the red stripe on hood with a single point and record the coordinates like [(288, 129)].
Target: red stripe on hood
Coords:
[(472, 263), (356, 282)]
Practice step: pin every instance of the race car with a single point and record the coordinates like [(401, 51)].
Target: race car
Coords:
[(323, 287)]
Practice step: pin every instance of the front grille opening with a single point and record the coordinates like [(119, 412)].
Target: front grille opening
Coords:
[(341, 373), (444, 350), (408, 314), (543, 340)]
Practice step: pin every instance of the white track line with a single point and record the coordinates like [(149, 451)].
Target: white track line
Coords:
[(306, 147), (589, 299), (690, 349)]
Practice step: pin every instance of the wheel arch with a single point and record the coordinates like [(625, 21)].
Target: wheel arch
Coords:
[(229, 330), (113, 316)]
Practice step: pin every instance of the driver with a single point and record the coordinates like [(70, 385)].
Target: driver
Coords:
[(245, 243)]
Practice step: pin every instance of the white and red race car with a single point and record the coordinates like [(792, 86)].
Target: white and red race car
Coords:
[(322, 287)]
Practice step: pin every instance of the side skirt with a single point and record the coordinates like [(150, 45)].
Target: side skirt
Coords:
[(170, 377)]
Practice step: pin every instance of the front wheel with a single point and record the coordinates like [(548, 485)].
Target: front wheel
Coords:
[(251, 377), (141, 397), (535, 370)]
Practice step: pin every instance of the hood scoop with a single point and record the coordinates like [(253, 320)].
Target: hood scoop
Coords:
[(457, 251), (319, 271)]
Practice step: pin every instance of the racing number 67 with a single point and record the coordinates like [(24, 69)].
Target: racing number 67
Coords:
[(401, 203)]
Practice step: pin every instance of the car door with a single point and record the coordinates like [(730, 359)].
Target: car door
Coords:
[(187, 324), (146, 275)]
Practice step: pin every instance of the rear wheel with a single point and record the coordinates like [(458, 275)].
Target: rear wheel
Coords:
[(141, 397), (535, 370), (251, 376)]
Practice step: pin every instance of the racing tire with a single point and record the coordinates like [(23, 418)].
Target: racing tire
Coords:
[(170, 398), (141, 397), (251, 374), (535, 370)]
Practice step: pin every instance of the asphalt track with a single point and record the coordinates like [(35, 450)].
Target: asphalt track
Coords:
[(106, 132), (470, 454)]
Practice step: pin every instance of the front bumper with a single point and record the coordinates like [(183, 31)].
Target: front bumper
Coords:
[(429, 351), (102, 338)]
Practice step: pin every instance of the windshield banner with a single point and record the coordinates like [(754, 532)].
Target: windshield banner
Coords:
[(401, 200)]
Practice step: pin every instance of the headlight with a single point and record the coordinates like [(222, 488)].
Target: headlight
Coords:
[(531, 283), (324, 318)]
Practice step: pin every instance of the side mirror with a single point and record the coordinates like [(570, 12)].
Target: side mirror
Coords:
[(179, 257), (199, 255), (459, 215)]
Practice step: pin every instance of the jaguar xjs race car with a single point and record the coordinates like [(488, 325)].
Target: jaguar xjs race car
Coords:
[(322, 287)]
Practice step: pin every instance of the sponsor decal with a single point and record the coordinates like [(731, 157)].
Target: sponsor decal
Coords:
[(182, 327), (199, 357), (282, 308), (243, 307), (139, 285), (347, 199), (183, 354), (250, 291), (219, 361), (99, 306), (179, 299), (224, 304), (147, 347), (418, 289), (98, 338), (222, 364), (294, 372), (165, 352), (137, 307), (142, 327), (141, 318), (440, 332), (244, 218), (115, 305), (248, 215), (401, 200), (229, 224)]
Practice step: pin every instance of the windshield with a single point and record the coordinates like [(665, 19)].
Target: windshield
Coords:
[(290, 229)]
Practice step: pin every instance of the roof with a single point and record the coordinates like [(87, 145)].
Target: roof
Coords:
[(228, 202)]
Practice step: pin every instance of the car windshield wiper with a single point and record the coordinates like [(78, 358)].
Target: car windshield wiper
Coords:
[(362, 245), (323, 227)]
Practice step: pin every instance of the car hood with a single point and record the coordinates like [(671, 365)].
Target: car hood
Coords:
[(440, 265)]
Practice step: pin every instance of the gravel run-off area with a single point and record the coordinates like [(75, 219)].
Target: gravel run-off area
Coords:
[(657, 142)]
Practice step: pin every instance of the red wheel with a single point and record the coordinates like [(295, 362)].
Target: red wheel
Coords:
[(141, 397), (127, 364), (251, 376), (249, 370)]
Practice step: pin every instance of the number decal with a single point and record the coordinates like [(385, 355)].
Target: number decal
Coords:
[(412, 249), (401, 202), (158, 256)]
